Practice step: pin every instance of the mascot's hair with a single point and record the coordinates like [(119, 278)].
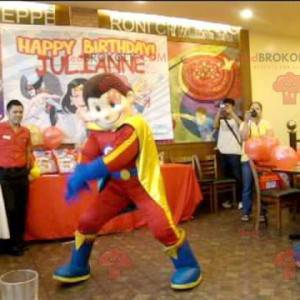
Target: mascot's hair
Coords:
[(102, 83)]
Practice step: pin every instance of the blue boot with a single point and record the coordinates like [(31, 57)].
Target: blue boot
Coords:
[(187, 274), (78, 269)]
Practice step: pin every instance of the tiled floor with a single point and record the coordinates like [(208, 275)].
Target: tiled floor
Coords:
[(237, 264)]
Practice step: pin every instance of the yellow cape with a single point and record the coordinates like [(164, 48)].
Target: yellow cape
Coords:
[(148, 165)]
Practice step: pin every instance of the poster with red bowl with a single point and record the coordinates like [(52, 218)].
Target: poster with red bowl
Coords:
[(201, 76)]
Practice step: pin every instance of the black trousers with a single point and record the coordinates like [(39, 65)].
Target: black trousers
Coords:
[(231, 167), (15, 188)]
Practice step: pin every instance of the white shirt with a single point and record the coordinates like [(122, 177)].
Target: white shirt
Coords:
[(227, 143)]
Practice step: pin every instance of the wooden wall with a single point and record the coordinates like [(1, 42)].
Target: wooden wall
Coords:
[(83, 17), (186, 149)]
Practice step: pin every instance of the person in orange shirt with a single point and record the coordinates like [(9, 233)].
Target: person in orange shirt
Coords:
[(15, 163)]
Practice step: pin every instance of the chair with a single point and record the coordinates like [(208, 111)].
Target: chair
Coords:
[(280, 198), (209, 177), (205, 182), (194, 161)]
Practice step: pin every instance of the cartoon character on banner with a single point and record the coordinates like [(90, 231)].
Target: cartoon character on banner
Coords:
[(204, 124), (44, 92), (147, 90), (74, 117), (199, 124), (142, 99), (121, 151)]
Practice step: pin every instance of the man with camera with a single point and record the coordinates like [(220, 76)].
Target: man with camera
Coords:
[(229, 144), (253, 126)]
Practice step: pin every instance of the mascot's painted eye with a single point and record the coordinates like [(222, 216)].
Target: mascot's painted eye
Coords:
[(98, 108)]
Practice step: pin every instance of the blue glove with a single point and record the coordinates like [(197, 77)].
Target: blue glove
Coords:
[(83, 173), (73, 187)]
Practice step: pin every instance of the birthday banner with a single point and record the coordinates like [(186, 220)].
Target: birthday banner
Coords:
[(46, 67)]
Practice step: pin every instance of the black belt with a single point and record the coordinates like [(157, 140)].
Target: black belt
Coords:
[(13, 173), (12, 169)]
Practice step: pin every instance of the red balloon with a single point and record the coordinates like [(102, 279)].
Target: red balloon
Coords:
[(270, 142), (284, 157), (256, 149), (53, 137)]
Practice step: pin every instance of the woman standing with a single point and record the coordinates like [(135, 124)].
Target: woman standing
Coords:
[(254, 126)]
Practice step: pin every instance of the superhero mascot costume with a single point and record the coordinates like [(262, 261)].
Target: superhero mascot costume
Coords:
[(121, 152)]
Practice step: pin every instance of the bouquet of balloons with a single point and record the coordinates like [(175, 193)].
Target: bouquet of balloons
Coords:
[(267, 150)]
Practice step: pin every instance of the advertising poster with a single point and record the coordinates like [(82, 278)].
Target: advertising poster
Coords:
[(201, 76)]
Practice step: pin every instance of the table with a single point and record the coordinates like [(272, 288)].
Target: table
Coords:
[(50, 217), (292, 171)]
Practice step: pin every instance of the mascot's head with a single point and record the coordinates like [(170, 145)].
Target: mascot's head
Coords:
[(109, 99)]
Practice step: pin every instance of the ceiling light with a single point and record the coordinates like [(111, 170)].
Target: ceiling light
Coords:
[(246, 14)]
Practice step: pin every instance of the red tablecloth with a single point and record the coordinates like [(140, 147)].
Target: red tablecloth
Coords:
[(49, 217)]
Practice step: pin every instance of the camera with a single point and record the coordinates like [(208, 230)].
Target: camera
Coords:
[(253, 113)]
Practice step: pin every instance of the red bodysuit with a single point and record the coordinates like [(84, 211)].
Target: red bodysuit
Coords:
[(120, 150)]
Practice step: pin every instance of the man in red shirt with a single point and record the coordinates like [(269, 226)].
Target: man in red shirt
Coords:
[(15, 162)]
